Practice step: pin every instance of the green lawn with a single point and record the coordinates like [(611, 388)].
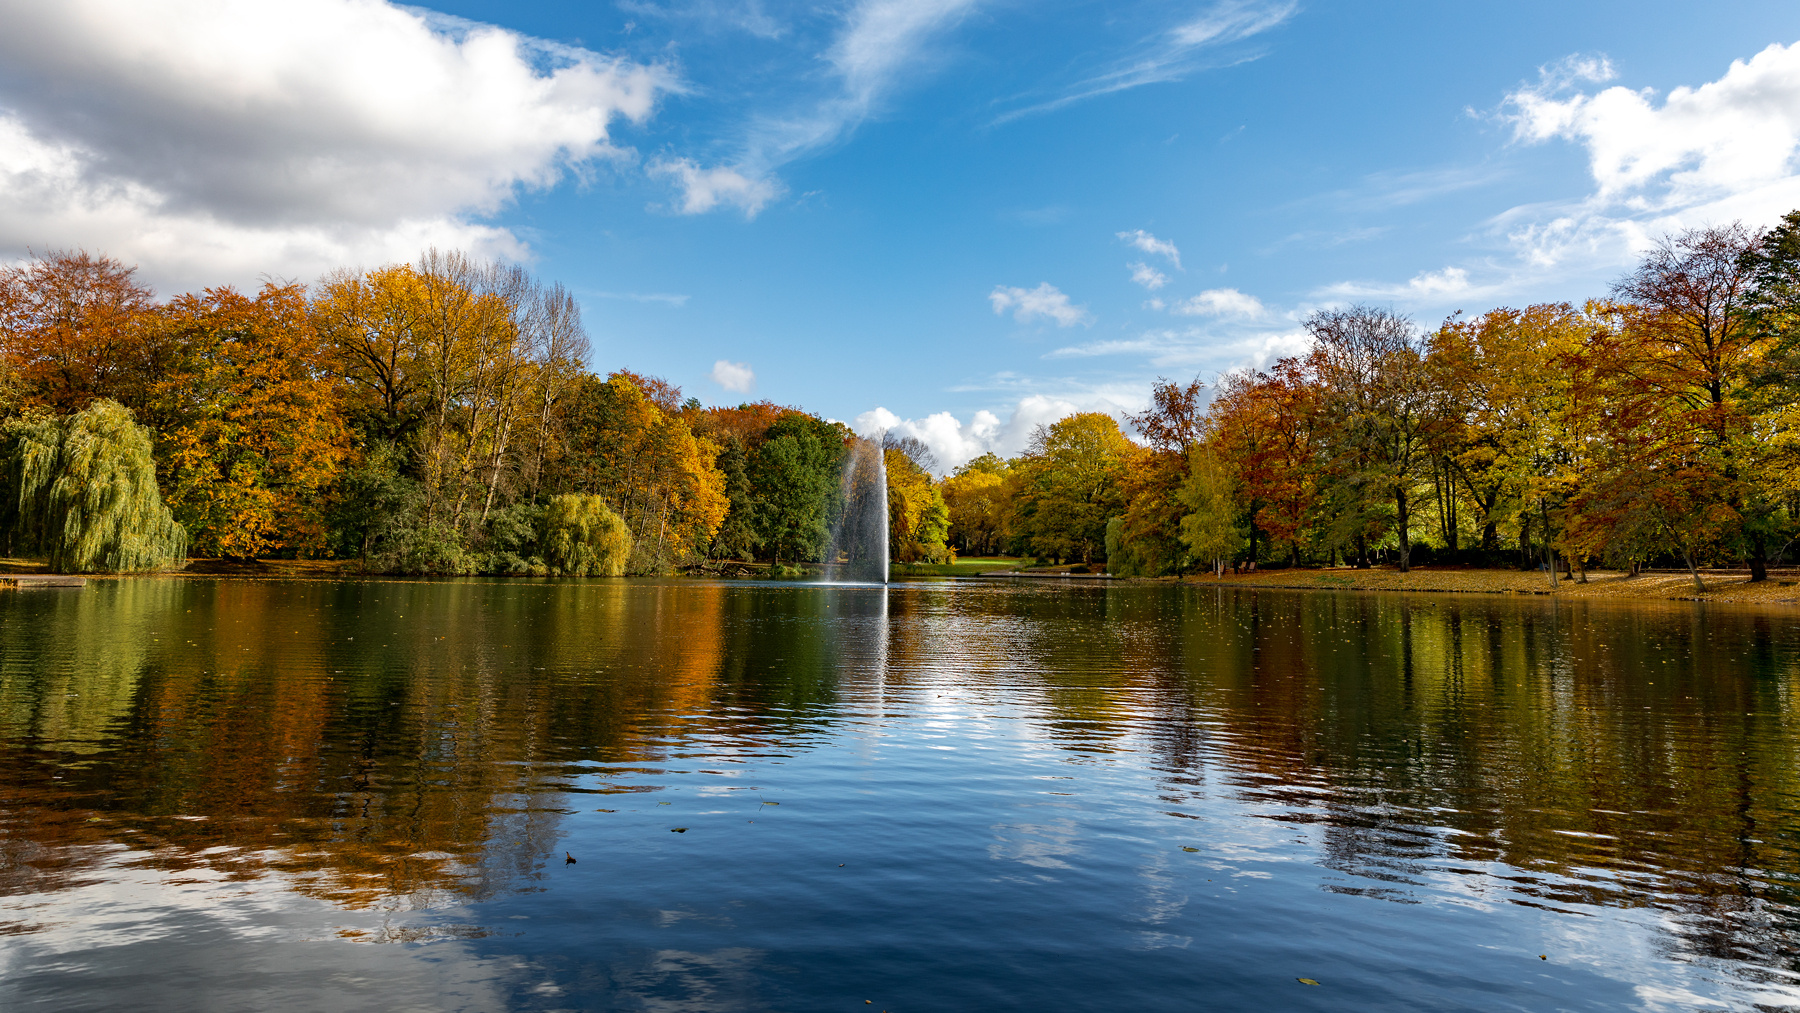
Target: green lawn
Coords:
[(965, 567)]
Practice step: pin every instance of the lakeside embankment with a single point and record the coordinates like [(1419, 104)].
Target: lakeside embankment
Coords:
[(1782, 588), (1721, 585)]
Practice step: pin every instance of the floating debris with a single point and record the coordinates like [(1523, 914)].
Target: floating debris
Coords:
[(1306, 981), (568, 859), (678, 830), (1186, 848)]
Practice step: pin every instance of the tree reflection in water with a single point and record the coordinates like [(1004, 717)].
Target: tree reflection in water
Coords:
[(410, 747)]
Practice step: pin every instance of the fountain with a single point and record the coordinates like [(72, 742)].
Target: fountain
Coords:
[(859, 541)]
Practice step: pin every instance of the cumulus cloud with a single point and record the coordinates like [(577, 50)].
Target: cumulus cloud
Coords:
[(213, 138), (1219, 302), (736, 376), (1147, 276), (705, 189), (956, 443), (1723, 150), (1045, 301), (1150, 244)]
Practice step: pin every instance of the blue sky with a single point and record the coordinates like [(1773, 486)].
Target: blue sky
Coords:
[(934, 208)]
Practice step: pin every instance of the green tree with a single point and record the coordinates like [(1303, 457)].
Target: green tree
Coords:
[(1209, 529), (1069, 485), (82, 491), (583, 537), (796, 474)]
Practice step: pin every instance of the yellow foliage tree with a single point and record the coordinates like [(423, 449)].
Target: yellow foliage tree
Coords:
[(252, 429)]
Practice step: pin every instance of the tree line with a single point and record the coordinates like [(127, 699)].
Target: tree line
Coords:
[(434, 417), (1654, 425), (440, 417)]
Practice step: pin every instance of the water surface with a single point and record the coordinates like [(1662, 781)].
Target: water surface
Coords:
[(938, 796)]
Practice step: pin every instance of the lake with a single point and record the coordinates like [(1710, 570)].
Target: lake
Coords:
[(251, 795)]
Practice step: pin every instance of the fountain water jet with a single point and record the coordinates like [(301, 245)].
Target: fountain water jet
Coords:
[(859, 541)]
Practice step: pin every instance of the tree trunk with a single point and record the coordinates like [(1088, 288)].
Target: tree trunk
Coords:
[(1759, 558), (1688, 558), (1405, 537)]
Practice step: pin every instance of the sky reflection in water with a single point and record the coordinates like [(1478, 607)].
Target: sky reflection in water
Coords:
[(941, 796)]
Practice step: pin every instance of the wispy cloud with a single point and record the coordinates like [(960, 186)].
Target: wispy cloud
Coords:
[(1046, 301), (666, 298), (879, 45), (1148, 243), (1174, 52), (1196, 347)]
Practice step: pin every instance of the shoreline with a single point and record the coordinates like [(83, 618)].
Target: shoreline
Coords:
[(1721, 586), (1782, 588)]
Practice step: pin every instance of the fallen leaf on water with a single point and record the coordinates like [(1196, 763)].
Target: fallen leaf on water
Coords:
[(1186, 848), (1306, 981), (665, 803), (606, 810), (771, 803), (678, 830), (1543, 957)]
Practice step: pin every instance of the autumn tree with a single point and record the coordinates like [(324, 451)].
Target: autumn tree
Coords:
[(647, 462), (1148, 533), (1668, 383), (251, 425), (976, 495), (918, 519), (72, 329), (1370, 363), (1069, 485), (1266, 433)]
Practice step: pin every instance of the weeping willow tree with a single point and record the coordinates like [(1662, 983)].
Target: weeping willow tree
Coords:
[(584, 537), (81, 490)]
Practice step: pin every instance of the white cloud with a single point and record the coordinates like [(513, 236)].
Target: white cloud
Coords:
[(219, 139), (956, 443), (879, 47), (705, 189), (1219, 302), (1147, 276), (1721, 151), (736, 376), (1195, 348), (1044, 301), (1425, 288), (1150, 244)]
